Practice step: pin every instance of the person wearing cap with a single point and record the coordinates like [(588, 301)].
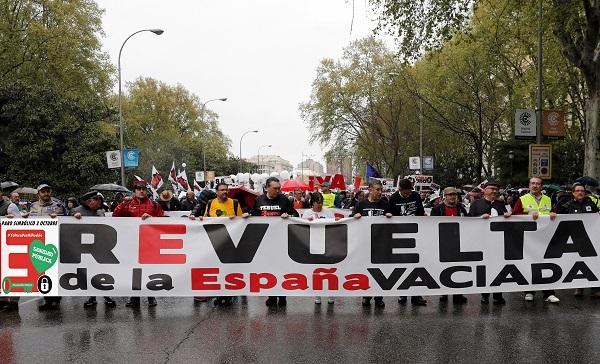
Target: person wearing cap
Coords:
[(450, 206), (46, 206), (92, 205), (487, 207), (330, 199), (139, 206), (536, 204), (168, 202), (406, 202)]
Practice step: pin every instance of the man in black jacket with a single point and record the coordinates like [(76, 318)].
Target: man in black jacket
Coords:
[(406, 202), (485, 208), (92, 205), (273, 203), (373, 205), (580, 204)]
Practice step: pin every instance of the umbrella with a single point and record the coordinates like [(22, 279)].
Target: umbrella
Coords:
[(552, 188), (110, 187), (244, 195), (26, 190), (7, 185), (588, 181), (292, 185)]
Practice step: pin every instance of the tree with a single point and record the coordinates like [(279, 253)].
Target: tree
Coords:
[(357, 108), (423, 26), (167, 123), (54, 86)]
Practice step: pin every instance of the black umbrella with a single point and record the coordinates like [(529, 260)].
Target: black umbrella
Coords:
[(588, 181), (7, 185), (110, 187)]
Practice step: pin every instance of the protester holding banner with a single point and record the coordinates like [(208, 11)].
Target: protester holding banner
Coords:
[(273, 203), (580, 204), (46, 206), (139, 206), (536, 204), (487, 207), (92, 205), (406, 202), (373, 205), (450, 206), (317, 212)]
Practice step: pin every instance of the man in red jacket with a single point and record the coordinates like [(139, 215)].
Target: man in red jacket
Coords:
[(139, 206)]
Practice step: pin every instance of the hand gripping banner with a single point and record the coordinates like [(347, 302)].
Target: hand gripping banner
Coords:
[(374, 256)]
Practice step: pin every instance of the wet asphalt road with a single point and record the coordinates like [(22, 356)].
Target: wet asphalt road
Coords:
[(179, 330)]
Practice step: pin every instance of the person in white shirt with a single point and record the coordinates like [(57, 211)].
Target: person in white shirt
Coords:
[(317, 212), (14, 209)]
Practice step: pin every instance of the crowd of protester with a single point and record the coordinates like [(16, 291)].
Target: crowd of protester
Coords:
[(484, 201)]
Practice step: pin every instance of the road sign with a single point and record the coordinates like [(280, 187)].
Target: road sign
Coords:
[(428, 162), (113, 159), (414, 163), (540, 161), (525, 124), (131, 157)]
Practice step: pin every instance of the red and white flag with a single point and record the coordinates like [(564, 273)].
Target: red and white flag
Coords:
[(197, 187), (182, 181), (157, 180), (173, 177)]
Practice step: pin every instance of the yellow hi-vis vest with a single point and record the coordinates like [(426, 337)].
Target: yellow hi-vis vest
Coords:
[(530, 204), (329, 200), (595, 200)]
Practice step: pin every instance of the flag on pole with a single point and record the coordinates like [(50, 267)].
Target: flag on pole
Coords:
[(173, 177), (372, 172), (197, 187), (182, 181), (157, 180)]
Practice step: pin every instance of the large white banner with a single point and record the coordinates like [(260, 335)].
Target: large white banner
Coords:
[(371, 256)]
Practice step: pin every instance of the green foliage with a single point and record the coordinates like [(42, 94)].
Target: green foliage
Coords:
[(52, 138), (54, 82), (168, 123)]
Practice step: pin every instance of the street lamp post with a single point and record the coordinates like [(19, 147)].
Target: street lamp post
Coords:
[(204, 142), (157, 32), (258, 155), (511, 157), (241, 138)]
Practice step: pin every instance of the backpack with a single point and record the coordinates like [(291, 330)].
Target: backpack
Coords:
[(235, 207)]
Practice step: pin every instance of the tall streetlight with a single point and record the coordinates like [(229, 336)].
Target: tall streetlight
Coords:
[(394, 74), (157, 32), (258, 155), (204, 142), (241, 138)]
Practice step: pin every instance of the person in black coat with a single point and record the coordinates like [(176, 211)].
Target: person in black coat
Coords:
[(274, 203)]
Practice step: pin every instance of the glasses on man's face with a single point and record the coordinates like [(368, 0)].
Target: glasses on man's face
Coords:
[(276, 188), (223, 190), (579, 191)]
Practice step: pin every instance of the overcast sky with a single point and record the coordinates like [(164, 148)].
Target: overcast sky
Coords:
[(261, 55)]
